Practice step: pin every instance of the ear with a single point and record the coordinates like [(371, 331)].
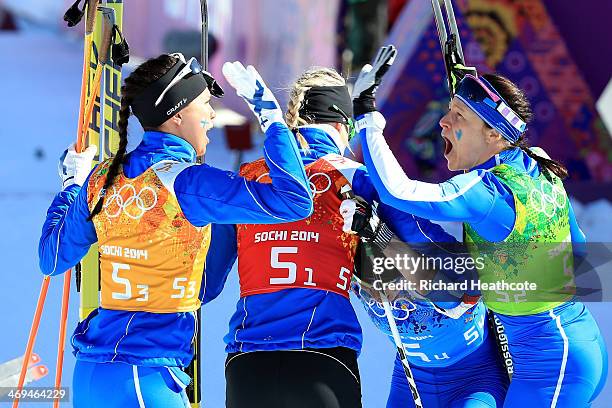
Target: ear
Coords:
[(492, 136), (177, 119)]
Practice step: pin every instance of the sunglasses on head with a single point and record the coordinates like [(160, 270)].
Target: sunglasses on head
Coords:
[(475, 89), (192, 67)]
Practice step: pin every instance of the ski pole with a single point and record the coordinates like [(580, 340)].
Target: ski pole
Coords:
[(194, 391), (203, 46), (204, 38), (349, 194), (401, 351), (72, 20), (89, 27), (73, 16), (32, 336), (450, 43), (107, 29), (59, 365), (400, 348)]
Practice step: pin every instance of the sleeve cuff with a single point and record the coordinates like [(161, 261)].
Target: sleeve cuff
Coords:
[(371, 120)]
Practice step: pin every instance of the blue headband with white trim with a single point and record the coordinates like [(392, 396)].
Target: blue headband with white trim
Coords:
[(480, 96)]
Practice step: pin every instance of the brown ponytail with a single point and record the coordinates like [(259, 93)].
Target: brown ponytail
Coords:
[(549, 164), (517, 100), (147, 73)]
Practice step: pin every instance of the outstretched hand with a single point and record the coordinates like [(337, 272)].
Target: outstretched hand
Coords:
[(250, 86), (370, 77)]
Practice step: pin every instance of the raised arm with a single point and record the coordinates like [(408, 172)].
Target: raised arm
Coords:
[(208, 195), (67, 233), (466, 197), (406, 226), (450, 201)]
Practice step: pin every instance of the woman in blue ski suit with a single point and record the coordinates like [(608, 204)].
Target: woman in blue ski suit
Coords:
[(514, 207), (452, 354), (150, 213), (300, 325)]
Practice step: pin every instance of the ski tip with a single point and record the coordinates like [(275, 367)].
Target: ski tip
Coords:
[(39, 372), (34, 359)]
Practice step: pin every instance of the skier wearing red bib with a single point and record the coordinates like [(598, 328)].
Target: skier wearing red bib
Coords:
[(294, 338)]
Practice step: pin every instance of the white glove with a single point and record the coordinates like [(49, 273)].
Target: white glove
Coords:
[(74, 167), (371, 75), (347, 211), (358, 218), (249, 86)]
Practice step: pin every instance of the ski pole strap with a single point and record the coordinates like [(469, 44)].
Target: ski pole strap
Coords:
[(120, 51), (74, 14)]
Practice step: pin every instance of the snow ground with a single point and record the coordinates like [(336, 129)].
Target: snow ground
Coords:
[(40, 86)]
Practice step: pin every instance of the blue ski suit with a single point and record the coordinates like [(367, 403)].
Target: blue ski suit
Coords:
[(156, 345), (300, 318), (560, 359)]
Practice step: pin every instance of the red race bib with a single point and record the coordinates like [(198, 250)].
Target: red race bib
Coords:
[(312, 253)]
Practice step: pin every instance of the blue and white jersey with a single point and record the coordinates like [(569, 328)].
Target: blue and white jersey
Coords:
[(476, 197), (307, 318), (206, 195), (430, 338)]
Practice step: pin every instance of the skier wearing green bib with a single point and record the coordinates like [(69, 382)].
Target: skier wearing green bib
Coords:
[(518, 218)]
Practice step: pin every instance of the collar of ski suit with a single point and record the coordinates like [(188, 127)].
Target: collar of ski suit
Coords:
[(322, 139), (514, 157), (155, 147)]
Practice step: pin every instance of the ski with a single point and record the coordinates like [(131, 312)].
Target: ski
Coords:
[(501, 340), (13, 367), (33, 374), (108, 52)]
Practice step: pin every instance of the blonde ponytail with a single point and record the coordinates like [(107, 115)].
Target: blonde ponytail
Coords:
[(313, 77)]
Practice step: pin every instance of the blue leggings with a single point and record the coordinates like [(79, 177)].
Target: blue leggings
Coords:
[(114, 385), (476, 381), (560, 358)]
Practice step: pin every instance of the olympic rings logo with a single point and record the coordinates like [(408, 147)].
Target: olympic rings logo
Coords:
[(547, 199), (135, 205), (400, 308), (318, 182)]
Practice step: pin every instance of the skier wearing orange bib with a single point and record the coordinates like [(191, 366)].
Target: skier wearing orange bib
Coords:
[(151, 211)]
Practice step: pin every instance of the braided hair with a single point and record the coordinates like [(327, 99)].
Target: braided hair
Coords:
[(313, 77), (147, 73), (519, 103)]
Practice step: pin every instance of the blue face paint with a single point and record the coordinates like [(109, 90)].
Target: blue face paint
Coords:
[(459, 134), (204, 123)]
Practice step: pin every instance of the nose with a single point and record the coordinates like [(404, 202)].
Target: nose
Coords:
[(444, 121)]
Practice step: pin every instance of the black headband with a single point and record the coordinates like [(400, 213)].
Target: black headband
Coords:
[(176, 98), (319, 101)]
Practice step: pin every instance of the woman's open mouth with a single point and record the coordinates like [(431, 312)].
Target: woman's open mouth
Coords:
[(447, 147)]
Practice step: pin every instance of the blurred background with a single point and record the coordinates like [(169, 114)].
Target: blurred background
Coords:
[(558, 51)]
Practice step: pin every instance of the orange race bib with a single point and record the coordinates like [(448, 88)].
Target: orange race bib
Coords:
[(313, 253), (151, 257)]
